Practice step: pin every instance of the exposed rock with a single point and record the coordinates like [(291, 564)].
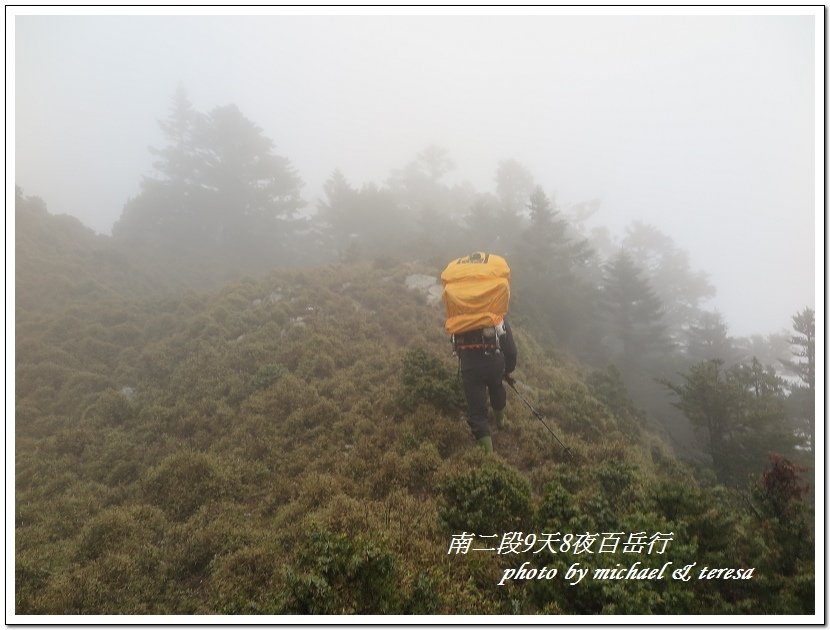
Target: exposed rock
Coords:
[(428, 285)]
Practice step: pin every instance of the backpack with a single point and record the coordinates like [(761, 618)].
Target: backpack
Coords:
[(476, 292)]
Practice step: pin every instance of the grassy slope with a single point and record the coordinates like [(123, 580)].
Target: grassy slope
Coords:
[(272, 455)]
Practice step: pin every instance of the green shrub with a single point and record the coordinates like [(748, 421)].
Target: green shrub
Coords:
[(134, 529), (421, 466), (337, 574), (319, 366), (257, 420), (426, 380), (557, 505), (608, 387), (425, 598), (186, 480), (318, 414), (615, 479), (489, 499), (115, 584), (242, 581), (267, 374), (112, 408)]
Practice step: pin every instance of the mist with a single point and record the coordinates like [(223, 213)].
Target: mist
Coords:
[(234, 391), (703, 126)]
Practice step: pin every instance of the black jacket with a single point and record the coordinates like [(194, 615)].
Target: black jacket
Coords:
[(476, 357)]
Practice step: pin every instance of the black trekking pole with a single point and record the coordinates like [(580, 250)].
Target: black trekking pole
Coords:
[(539, 416)]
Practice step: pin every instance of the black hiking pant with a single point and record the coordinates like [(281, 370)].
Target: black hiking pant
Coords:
[(481, 374)]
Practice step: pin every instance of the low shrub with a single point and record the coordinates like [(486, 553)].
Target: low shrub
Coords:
[(337, 574), (425, 379), (487, 499), (186, 480)]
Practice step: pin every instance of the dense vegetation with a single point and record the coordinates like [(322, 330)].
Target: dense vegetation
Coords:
[(202, 428)]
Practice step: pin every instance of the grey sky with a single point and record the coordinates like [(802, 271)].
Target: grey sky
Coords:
[(703, 126)]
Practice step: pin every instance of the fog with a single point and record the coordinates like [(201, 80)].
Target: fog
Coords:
[(703, 126)]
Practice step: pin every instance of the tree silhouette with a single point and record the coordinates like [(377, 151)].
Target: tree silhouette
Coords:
[(220, 196), (742, 412), (632, 315), (681, 290), (708, 338), (514, 186), (804, 395), (548, 261)]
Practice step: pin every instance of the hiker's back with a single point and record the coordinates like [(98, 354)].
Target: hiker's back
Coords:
[(476, 292)]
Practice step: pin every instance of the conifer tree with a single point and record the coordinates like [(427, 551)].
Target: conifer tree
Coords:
[(220, 196), (177, 162), (680, 289), (741, 411), (336, 213), (803, 396), (708, 338), (254, 194), (548, 262), (426, 207), (635, 334), (163, 216), (361, 223), (707, 399), (514, 187), (762, 423), (484, 227)]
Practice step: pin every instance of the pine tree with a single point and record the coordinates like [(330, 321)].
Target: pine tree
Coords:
[(635, 333), (484, 229), (427, 207), (707, 399), (761, 421), (708, 338), (803, 396), (548, 284), (742, 412), (220, 194), (668, 269), (254, 194), (162, 217), (361, 224), (514, 187), (177, 162)]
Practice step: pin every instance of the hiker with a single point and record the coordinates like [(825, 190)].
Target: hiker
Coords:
[(486, 357), (476, 296)]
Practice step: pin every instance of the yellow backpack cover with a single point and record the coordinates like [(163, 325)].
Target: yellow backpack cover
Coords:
[(476, 292)]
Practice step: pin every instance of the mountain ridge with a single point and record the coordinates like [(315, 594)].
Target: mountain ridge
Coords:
[(294, 443)]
